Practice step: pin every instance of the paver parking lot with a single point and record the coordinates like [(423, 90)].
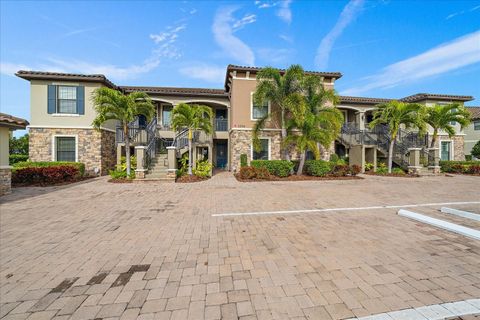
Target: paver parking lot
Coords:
[(154, 251)]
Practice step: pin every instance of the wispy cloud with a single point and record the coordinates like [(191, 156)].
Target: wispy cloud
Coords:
[(450, 16), (284, 12), (273, 56), (165, 48), (286, 38), (265, 4), (209, 73), (447, 57), (349, 13), (223, 33), (247, 19)]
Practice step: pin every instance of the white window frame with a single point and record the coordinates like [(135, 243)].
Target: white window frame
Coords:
[(251, 107), (160, 120), (476, 122), (451, 155), (54, 144), (269, 147), (57, 107)]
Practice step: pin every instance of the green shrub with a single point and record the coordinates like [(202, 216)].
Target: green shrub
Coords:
[(457, 166), (279, 168), (476, 150), (334, 158), (381, 168), (42, 164), (120, 174), (15, 158), (203, 169), (398, 171), (123, 163), (369, 166), (318, 168), (468, 157), (243, 160)]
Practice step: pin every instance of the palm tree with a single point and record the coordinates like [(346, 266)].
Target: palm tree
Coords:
[(274, 88), (395, 114), (307, 130), (440, 117), (192, 117), (111, 104)]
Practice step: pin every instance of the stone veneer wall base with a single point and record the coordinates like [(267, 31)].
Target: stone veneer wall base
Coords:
[(5, 181)]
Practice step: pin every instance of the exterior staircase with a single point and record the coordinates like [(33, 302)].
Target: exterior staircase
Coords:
[(158, 169)]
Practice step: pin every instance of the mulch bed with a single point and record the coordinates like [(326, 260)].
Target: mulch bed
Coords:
[(294, 177), (370, 173), (190, 179), (63, 183)]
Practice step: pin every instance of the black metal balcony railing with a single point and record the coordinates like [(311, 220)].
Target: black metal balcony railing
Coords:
[(221, 125)]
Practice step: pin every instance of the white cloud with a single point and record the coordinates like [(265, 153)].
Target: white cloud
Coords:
[(275, 56), (284, 12), (447, 57), (450, 16), (223, 34), (204, 72), (247, 19), (165, 49), (349, 13), (286, 38), (10, 69), (265, 4)]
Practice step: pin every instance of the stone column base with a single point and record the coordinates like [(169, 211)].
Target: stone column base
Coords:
[(434, 169), (172, 173), (5, 180), (414, 169), (140, 174)]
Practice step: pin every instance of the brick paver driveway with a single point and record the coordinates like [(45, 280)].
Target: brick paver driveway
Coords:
[(154, 251)]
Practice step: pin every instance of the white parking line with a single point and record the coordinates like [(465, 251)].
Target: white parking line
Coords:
[(468, 232), (342, 209), (461, 213), (431, 312)]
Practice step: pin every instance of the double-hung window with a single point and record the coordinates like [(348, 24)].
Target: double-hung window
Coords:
[(476, 125), (67, 99), (65, 148), (264, 152), (259, 111)]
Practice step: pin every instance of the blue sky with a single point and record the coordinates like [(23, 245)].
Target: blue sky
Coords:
[(383, 48)]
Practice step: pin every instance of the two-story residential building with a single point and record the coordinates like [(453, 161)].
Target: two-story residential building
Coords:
[(62, 113), (472, 132)]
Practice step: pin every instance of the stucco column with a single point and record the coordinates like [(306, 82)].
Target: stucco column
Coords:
[(119, 154), (434, 160), (360, 119), (5, 169), (172, 161), (414, 166), (140, 155), (356, 156)]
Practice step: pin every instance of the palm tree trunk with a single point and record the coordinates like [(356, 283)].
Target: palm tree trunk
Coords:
[(127, 148), (302, 163), (286, 156), (390, 155), (434, 138), (189, 152)]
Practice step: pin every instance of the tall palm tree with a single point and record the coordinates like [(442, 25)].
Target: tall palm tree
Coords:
[(111, 104), (440, 117), (193, 117), (307, 130), (395, 114), (274, 88)]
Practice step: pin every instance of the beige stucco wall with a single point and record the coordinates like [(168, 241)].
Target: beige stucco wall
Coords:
[(4, 136), (471, 137), (39, 117)]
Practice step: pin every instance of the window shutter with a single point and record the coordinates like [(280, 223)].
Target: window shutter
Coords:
[(52, 99), (81, 100)]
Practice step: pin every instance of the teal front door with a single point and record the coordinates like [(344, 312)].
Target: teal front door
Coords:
[(445, 150), (221, 155)]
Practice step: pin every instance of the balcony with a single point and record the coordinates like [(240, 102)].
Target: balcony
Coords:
[(221, 124)]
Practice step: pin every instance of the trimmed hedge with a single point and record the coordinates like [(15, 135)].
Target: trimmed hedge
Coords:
[(249, 172), (279, 168), (44, 164), (46, 174), (468, 167), (321, 168), (15, 158), (243, 160)]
